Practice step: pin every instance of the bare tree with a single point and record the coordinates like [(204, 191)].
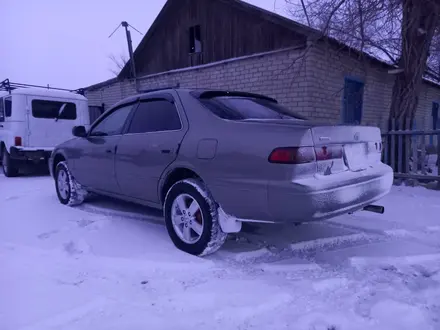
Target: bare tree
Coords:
[(404, 33), (118, 63)]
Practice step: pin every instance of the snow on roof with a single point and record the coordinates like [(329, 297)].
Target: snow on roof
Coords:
[(45, 92)]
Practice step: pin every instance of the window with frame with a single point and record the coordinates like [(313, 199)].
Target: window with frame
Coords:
[(95, 112), (195, 39), (53, 110), (435, 119), (155, 116), (352, 101), (2, 111), (8, 107), (113, 124)]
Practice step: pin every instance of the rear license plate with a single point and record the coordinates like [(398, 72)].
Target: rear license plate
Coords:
[(356, 156)]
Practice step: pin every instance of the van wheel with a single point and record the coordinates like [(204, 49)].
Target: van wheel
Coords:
[(69, 191), (192, 218), (9, 166)]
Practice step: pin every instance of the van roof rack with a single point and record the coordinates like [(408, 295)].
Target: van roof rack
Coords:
[(9, 86)]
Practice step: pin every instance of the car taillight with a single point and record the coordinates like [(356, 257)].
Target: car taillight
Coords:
[(292, 155), (328, 152), (17, 141)]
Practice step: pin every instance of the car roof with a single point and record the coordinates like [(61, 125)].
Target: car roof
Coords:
[(197, 92)]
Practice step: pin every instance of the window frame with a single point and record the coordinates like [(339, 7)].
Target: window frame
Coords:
[(7, 98), (192, 31), (105, 115), (54, 101), (343, 112), (160, 97), (2, 110)]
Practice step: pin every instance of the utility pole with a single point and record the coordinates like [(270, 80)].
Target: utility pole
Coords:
[(130, 50)]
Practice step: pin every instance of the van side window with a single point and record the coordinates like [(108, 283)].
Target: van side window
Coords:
[(8, 107), (2, 111), (53, 109)]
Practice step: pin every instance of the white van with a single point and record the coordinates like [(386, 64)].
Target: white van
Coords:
[(33, 121)]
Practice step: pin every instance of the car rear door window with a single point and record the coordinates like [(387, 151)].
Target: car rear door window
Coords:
[(155, 116), (53, 109), (241, 108), (113, 124)]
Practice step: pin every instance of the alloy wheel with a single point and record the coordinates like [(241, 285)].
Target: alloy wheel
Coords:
[(187, 218), (63, 184)]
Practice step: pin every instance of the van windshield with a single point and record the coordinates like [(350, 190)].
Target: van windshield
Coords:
[(242, 108)]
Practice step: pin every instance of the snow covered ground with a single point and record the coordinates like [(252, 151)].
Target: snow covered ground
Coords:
[(110, 265)]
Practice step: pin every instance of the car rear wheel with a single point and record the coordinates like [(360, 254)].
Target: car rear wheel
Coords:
[(69, 191), (191, 218), (9, 166)]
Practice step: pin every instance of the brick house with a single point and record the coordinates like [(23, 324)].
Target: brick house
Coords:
[(230, 44)]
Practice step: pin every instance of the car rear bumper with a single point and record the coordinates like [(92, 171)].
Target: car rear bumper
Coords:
[(30, 154), (324, 197)]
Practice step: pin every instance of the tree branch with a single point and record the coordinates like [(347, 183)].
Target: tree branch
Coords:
[(305, 12)]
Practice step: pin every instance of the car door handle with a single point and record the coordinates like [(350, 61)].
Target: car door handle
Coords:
[(166, 151), (109, 151), (1, 126)]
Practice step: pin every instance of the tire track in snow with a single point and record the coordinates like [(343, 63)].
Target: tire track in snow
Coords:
[(119, 214), (59, 320), (420, 235), (296, 257)]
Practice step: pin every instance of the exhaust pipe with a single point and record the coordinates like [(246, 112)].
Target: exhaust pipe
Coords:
[(374, 208)]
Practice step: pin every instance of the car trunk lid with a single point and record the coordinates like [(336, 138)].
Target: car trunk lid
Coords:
[(360, 144)]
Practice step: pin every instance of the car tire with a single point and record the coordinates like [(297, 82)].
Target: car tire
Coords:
[(9, 166), (69, 191), (199, 233)]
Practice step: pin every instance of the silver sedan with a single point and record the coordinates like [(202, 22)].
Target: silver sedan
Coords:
[(214, 159)]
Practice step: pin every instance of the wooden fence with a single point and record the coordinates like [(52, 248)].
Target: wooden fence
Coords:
[(413, 154)]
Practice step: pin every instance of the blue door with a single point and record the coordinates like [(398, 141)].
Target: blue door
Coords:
[(352, 102)]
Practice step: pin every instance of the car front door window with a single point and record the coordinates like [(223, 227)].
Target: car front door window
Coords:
[(113, 124)]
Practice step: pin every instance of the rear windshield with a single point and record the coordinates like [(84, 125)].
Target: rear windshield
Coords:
[(242, 108), (53, 109)]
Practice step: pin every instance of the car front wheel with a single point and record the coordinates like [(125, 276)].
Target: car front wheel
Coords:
[(69, 191), (192, 218)]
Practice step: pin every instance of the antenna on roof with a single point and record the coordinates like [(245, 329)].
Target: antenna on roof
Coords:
[(130, 47)]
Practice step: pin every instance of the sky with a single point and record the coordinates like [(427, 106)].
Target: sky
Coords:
[(65, 43)]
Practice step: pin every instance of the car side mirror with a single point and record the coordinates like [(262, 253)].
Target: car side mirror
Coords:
[(79, 131)]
